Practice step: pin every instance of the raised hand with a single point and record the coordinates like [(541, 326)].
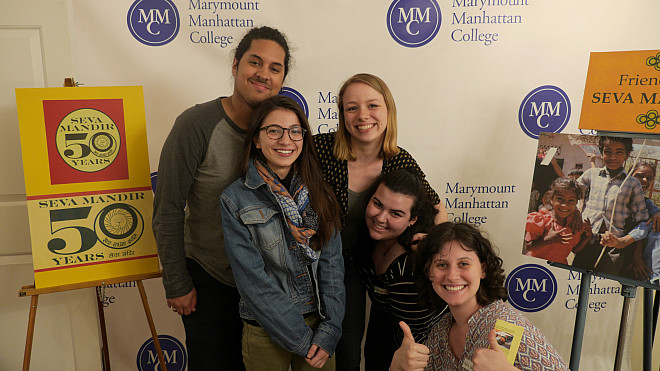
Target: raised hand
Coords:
[(587, 228), (558, 236), (410, 356), (609, 239), (492, 359), (655, 219), (418, 237)]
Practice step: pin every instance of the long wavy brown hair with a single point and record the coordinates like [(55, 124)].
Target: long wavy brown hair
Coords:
[(321, 196)]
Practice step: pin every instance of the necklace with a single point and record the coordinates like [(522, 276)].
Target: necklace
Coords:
[(388, 248)]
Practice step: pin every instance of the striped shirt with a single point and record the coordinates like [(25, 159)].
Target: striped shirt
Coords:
[(394, 293), (603, 191), (535, 353)]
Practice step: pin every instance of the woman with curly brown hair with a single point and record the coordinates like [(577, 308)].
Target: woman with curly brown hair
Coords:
[(457, 264)]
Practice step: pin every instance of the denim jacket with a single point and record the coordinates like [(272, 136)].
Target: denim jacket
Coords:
[(275, 287)]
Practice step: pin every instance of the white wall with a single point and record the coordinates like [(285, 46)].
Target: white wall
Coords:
[(35, 44), (458, 108)]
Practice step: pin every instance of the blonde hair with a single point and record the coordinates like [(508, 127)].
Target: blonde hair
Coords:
[(342, 148)]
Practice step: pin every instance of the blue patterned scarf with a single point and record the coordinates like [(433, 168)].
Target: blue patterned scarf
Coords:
[(301, 219)]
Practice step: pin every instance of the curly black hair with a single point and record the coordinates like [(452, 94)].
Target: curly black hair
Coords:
[(567, 185), (406, 183), (627, 143), (470, 238), (647, 164), (264, 33)]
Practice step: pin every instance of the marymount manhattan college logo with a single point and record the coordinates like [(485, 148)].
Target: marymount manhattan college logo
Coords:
[(531, 287), (544, 109), (297, 97), (153, 22), (174, 353), (413, 23)]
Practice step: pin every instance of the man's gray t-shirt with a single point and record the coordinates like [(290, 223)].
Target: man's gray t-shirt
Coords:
[(200, 158)]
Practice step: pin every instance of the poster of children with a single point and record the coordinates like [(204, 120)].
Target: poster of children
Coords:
[(593, 205)]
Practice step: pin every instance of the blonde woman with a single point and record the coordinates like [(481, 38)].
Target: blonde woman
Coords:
[(363, 147)]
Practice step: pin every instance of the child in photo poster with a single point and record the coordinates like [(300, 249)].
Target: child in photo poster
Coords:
[(645, 264), (545, 201), (553, 234), (534, 199), (605, 186), (548, 169)]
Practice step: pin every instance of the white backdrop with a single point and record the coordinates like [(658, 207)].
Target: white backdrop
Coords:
[(458, 105)]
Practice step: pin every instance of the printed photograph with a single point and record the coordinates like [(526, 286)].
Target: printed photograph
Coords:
[(593, 202), (503, 339)]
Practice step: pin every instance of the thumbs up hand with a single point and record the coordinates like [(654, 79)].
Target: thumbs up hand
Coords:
[(491, 359), (410, 356)]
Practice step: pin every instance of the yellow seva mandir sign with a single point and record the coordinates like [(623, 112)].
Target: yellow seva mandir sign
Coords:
[(622, 92), (89, 197)]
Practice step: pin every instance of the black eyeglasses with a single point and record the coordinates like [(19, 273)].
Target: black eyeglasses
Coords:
[(275, 132)]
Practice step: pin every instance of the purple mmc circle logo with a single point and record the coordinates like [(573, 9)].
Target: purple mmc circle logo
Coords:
[(531, 287), (153, 22), (588, 132), (413, 23), (296, 96), (545, 109), (154, 177), (174, 353)]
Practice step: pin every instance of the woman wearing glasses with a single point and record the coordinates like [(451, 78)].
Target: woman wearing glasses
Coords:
[(281, 236), (363, 147)]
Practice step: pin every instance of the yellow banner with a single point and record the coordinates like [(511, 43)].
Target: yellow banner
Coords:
[(86, 167), (622, 92)]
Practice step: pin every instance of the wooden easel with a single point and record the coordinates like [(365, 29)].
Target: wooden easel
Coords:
[(34, 292)]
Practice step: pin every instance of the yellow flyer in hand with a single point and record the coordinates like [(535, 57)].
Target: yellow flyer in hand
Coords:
[(87, 182), (508, 336)]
